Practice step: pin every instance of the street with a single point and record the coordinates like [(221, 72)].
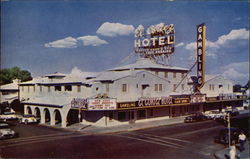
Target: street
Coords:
[(187, 140)]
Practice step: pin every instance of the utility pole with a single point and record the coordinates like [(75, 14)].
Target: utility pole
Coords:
[(229, 132)]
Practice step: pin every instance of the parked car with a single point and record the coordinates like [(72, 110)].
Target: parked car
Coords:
[(215, 115), (28, 118), (223, 136), (6, 132), (8, 116), (195, 117), (233, 113)]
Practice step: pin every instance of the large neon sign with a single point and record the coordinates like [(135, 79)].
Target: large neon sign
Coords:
[(155, 41)]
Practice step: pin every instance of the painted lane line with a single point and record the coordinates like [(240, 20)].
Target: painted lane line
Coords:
[(149, 141), (196, 131), (157, 139), (35, 137), (169, 138), (41, 140)]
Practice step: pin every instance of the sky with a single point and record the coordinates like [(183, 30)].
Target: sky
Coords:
[(47, 36)]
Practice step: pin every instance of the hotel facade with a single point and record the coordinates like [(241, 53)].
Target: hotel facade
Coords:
[(138, 92)]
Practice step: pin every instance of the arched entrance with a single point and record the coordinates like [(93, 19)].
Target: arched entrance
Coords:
[(47, 115), (28, 110), (57, 116), (72, 117), (37, 113)]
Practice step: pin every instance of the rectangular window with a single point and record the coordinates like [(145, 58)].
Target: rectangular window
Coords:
[(156, 73), (68, 88), (228, 87), (34, 88), (210, 87), (166, 74), (28, 88), (124, 88), (141, 114), (213, 87), (182, 86), (107, 87), (41, 89), (22, 88), (58, 88), (156, 87), (174, 87), (174, 75), (78, 88), (160, 87), (150, 112), (48, 88)]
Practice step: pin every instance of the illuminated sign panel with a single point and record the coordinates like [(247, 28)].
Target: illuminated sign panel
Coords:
[(201, 39), (79, 103), (155, 41), (101, 104), (198, 98), (154, 101)]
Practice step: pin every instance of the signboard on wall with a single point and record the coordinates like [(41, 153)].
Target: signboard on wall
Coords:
[(102, 104), (201, 39), (157, 40), (79, 103), (198, 98)]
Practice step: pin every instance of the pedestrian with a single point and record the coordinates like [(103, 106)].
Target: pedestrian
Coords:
[(242, 140), (232, 151)]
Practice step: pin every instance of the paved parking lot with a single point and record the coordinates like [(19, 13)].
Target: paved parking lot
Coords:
[(192, 140)]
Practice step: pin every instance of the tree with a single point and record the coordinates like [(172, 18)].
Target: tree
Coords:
[(9, 74)]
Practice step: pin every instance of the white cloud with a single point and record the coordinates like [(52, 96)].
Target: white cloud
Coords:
[(233, 35), (92, 40), (236, 71), (180, 44), (231, 73), (115, 29), (68, 42), (191, 46), (212, 47)]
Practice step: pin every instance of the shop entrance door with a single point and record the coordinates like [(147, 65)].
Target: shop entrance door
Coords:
[(131, 115)]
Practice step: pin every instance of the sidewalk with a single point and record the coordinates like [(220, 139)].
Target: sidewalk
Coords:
[(225, 152), (90, 129)]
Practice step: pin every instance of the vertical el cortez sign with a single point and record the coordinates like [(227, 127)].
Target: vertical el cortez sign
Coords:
[(201, 40)]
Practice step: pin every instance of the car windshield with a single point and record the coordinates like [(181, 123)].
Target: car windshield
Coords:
[(4, 126), (28, 115), (9, 113), (215, 112)]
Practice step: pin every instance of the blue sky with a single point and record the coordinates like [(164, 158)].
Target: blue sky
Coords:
[(56, 36)]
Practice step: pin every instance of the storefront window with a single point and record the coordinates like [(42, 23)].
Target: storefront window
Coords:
[(121, 116), (141, 114)]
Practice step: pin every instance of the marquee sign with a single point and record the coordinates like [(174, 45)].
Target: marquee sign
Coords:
[(201, 39), (155, 41), (102, 104)]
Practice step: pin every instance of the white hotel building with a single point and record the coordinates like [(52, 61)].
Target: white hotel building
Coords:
[(137, 92)]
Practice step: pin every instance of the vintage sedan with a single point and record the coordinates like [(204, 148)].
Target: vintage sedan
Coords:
[(195, 117), (6, 132), (214, 114), (8, 116), (28, 119)]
